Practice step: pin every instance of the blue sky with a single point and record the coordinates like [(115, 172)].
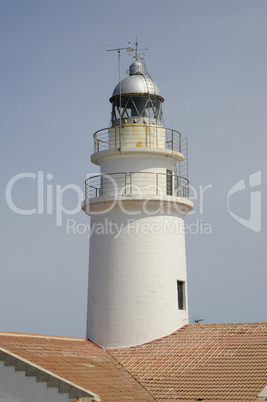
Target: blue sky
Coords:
[(209, 60)]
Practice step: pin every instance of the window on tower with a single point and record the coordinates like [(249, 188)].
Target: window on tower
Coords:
[(169, 184), (181, 295)]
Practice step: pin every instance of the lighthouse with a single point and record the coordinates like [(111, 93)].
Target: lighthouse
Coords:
[(137, 288)]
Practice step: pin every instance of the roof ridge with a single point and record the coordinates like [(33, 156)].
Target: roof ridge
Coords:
[(230, 323), (131, 374), (77, 339), (25, 334)]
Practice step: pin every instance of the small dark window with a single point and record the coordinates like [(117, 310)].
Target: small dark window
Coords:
[(169, 187), (181, 295), (101, 186)]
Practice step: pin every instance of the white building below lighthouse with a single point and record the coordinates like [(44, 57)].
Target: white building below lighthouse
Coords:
[(137, 270)]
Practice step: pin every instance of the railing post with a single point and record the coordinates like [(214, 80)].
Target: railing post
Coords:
[(86, 192), (95, 138), (172, 140), (157, 184), (101, 186)]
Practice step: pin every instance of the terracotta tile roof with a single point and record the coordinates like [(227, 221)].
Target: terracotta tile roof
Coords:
[(78, 361), (213, 362)]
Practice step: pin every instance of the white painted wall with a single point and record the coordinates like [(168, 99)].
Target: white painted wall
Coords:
[(16, 387), (134, 162), (132, 296), (137, 135), (133, 275), (144, 182)]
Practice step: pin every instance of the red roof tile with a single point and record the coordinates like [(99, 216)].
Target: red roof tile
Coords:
[(213, 362), (78, 361)]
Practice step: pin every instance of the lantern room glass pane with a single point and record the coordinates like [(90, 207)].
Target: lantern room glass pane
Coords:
[(136, 107)]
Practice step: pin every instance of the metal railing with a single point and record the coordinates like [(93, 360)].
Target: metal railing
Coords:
[(137, 184), (138, 135)]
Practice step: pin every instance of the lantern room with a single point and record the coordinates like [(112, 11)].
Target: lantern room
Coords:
[(137, 99)]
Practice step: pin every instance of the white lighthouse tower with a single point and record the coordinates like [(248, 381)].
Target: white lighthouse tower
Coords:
[(137, 271)]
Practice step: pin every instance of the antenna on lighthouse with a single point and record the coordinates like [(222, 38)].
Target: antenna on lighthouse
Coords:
[(136, 49), (128, 49)]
